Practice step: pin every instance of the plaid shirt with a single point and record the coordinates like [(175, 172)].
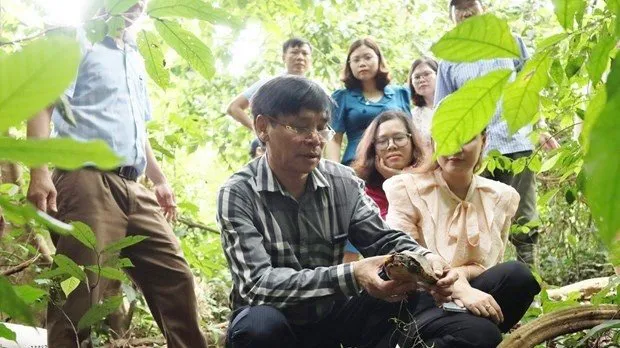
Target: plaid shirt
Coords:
[(287, 253)]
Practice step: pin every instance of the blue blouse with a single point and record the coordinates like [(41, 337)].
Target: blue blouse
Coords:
[(353, 114)]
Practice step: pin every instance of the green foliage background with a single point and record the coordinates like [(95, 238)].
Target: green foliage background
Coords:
[(187, 44)]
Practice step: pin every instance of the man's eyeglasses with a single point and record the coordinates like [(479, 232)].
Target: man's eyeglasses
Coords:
[(325, 134), (399, 139)]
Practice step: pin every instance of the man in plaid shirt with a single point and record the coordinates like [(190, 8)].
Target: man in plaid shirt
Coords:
[(285, 218)]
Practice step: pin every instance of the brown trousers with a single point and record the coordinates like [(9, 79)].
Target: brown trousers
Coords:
[(115, 208)]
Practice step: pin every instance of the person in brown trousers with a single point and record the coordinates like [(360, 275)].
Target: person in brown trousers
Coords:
[(109, 101)]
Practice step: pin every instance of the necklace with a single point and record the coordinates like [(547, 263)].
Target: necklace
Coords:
[(374, 99)]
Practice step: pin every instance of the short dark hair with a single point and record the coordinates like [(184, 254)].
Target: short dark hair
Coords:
[(287, 95), (364, 164), (295, 42), (457, 3), (382, 78), (417, 99)]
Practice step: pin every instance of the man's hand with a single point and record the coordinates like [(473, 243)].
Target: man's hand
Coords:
[(547, 142), (41, 191), (165, 198), (366, 272), (442, 290), (479, 303)]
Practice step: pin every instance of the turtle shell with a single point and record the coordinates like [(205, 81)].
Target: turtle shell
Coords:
[(408, 266)]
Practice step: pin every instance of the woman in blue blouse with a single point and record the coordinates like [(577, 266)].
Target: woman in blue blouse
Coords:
[(367, 94)]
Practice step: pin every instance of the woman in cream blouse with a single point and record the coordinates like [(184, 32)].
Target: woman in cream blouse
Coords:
[(466, 219)]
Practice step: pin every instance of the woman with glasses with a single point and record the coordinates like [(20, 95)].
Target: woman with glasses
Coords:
[(366, 94), (466, 219), (421, 83), (389, 145)]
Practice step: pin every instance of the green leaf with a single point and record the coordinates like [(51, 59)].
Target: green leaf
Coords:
[(599, 58), (119, 263), (522, 97), (518, 165), (534, 164), (188, 46), (602, 165), (567, 10), (12, 304), (28, 212), (550, 163), (99, 311), (574, 64), (84, 234), (192, 9), (96, 30), (69, 266), (28, 85), (69, 284), (116, 7), (595, 107), (551, 40), (108, 272), (116, 25), (478, 37), (29, 294), (464, 114), (7, 333), (124, 243), (153, 58), (64, 153), (607, 325), (557, 72)]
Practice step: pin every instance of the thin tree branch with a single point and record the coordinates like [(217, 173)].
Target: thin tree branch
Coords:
[(193, 224), (22, 266)]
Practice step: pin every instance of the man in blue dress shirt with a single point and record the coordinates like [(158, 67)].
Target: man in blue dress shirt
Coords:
[(109, 101), (452, 76)]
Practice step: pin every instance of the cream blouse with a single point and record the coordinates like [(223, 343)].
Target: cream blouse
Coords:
[(473, 231)]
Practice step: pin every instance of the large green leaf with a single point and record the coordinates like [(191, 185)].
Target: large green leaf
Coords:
[(124, 243), (7, 333), (108, 272), (64, 153), (12, 304), (153, 58), (69, 266), (117, 7), (522, 97), (28, 83), (29, 294), (99, 311), (479, 37), (69, 285), (599, 57), (595, 107), (464, 114), (26, 212), (602, 165), (84, 234), (567, 10), (188, 46), (193, 9)]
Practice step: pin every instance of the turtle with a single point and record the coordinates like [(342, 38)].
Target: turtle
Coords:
[(407, 266)]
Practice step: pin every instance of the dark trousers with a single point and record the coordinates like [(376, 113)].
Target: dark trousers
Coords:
[(115, 208), (368, 322), (513, 287), (358, 322), (525, 184)]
